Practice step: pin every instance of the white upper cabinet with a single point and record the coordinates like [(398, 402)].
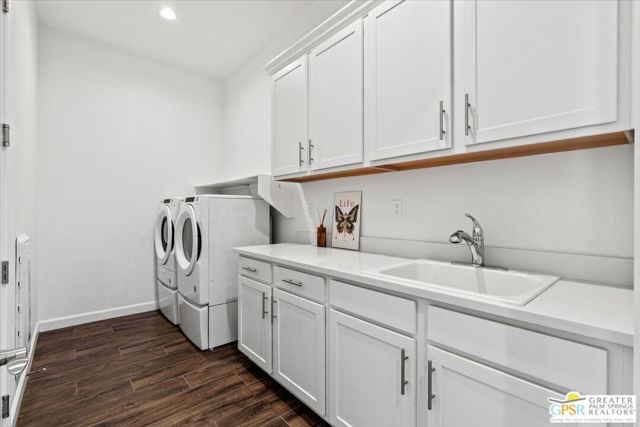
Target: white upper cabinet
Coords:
[(402, 80), (335, 107), (407, 78), (530, 67), (289, 139)]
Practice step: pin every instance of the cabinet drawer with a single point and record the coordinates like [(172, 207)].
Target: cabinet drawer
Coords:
[(298, 283), (255, 269), (396, 312), (565, 363)]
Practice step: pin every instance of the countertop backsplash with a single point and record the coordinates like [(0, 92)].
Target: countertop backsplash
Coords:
[(582, 230)]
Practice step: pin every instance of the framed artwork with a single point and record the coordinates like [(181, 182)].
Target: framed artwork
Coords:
[(347, 213)]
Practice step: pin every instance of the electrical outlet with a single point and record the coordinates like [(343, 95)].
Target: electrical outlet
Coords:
[(312, 210), (397, 207)]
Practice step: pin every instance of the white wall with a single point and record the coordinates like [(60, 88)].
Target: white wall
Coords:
[(567, 203), (117, 133), (579, 202)]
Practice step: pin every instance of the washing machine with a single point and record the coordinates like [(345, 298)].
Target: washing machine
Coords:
[(207, 230), (164, 242)]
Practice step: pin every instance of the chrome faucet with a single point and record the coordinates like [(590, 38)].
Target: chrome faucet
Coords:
[(475, 242)]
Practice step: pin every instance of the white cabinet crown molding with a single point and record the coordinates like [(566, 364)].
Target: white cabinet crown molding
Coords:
[(343, 17)]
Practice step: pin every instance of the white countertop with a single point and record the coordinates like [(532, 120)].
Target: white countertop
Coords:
[(595, 311)]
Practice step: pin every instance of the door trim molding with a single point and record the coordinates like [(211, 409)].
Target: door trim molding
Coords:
[(335, 22), (22, 383)]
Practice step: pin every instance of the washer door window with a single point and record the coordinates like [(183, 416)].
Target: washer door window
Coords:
[(163, 235), (189, 241)]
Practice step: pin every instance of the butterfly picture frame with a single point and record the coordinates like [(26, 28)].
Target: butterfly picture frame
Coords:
[(347, 215)]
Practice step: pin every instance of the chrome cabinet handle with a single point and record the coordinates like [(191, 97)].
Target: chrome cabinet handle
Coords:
[(7, 356), (442, 113), (430, 395), (251, 269), (264, 305), (300, 161), (467, 106), (310, 149), (292, 282), (273, 311), (403, 380)]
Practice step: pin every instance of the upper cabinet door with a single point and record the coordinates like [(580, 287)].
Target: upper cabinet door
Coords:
[(530, 67), (407, 78), (289, 139), (335, 108)]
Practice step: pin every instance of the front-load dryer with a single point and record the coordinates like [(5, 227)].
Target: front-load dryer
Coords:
[(164, 243), (207, 230)]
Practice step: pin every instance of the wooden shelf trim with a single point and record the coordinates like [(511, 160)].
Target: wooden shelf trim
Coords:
[(571, 144)]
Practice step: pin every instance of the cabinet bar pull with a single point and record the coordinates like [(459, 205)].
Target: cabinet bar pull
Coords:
[(264, 305), (467, 106), (300, 161), (292, 282), (430, 395), (403, 374), (310, 151), (273, 311), (442, 112), (251, 269)]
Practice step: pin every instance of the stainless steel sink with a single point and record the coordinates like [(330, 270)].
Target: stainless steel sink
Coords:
[(506, 286)]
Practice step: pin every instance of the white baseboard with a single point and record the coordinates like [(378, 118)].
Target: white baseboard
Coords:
[(22, 383), (94, 316)]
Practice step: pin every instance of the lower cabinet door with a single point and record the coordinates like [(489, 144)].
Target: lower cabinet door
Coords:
[(372, 374), (254, 321), (466, 393), (299, 348)]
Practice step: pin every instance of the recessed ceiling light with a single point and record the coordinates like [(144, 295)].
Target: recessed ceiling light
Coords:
[(168, 13)]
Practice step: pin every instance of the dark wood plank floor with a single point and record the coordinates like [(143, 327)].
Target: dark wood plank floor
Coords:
[(140, 370)]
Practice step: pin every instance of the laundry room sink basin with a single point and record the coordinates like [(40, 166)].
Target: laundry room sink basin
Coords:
[(511, 287)]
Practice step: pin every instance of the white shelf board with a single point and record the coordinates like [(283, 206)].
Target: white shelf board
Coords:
[(280, 195)]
